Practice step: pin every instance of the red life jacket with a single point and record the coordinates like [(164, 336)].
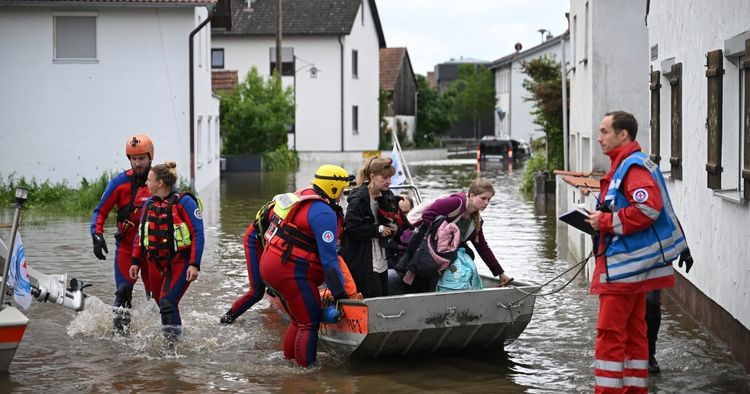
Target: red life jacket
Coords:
[(288, 233), (162, 232)]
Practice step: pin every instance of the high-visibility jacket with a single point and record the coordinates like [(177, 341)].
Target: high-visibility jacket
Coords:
[(634, 261)]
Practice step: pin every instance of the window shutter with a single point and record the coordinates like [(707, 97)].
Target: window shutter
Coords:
[(655, 109), (714, 126), (746, 166), (675, 81)]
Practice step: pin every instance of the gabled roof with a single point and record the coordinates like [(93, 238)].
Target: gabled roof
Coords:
[(108, 2), (390, 65), (505, 60), (299, 17)]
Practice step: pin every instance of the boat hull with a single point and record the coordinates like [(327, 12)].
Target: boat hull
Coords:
[(12, 327), (467, 321)]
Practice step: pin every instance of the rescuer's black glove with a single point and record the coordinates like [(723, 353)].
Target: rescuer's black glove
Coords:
[(99, 245)]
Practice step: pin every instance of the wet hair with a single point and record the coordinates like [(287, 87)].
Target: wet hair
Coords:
[(477, 187), (375, 166), (166, 173), (622, 120)]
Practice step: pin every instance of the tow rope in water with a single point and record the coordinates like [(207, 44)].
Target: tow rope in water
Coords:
[(580, 265)]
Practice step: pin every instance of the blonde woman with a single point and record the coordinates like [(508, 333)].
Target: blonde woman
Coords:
[(366, 228)]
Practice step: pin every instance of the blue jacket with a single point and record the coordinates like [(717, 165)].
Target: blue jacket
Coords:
[(648, 254)]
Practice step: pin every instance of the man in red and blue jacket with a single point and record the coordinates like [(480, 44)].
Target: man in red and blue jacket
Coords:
[(638, 238), (128, 192)]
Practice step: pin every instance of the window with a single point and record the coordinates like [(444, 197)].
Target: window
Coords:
[(355, 119), (287, 61), (734, 135), (362, 7), (355, 63), (217, 58), (199, 141), (586, 35), (75, 36), (574, 41)]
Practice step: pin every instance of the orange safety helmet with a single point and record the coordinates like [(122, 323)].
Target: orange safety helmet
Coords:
[(138, 145)]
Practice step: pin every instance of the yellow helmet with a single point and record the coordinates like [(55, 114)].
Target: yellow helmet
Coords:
[(331, 180)]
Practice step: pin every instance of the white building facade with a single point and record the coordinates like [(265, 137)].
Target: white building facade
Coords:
[(334, 76), (513, 118), (88, 75), (608, 71), (703, 136)]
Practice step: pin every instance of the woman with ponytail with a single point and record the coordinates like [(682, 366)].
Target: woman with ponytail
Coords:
[(170, 240)]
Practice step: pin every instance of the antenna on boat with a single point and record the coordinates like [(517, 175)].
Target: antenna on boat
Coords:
[(397, 145)]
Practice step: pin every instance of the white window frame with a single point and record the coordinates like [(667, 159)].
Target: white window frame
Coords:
[(733, 111), (78, 14)]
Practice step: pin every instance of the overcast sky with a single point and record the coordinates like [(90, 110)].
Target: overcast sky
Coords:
[(434, 31)]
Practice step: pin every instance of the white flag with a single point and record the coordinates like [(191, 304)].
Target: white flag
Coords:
[(18, 275), (399, 177)]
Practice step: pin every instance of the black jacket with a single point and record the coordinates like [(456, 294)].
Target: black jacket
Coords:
[(360, 227)]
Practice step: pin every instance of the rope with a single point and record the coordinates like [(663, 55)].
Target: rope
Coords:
[(580, 265)]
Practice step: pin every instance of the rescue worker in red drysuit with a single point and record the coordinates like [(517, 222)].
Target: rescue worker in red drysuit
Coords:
[(638, 238), (254, 246), (170, 241), (301, 254), (128, 192)]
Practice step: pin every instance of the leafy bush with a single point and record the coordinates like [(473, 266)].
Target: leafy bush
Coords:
[(255, 115), (58, 198), (280, 158), (536, 163)]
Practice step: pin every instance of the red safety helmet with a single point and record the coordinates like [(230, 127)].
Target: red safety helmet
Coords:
[(138, 145)]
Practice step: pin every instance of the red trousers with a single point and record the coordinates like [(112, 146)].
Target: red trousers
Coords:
[(621, 349), (297, 283)]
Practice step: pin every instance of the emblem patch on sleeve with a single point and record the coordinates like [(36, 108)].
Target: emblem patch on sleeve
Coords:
[(640, 195), (327, 236)]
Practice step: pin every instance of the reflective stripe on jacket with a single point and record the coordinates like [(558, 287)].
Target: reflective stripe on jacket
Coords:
[(647, 254)]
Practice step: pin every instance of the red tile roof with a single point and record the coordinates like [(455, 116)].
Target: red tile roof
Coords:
[(223, 80), (390, 65)]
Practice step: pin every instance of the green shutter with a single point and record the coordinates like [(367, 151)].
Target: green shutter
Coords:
[(655, 109), (714, 125), (746, 166), (675, 81)]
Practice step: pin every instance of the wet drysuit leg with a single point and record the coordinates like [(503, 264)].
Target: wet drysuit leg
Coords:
[(123, 286), (253, 251), (172, 289), (296, 281)]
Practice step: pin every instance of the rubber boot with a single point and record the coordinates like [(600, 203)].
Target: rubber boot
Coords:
[(228, 318)]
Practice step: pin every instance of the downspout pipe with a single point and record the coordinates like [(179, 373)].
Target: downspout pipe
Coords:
[(341, 45), (192, 96)]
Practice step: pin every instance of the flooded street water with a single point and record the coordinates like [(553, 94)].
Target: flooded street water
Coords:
[(67, 352)]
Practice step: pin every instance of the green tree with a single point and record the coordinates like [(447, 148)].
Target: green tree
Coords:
[(255, 115), (545, 85), (475, 94), (435, 114)]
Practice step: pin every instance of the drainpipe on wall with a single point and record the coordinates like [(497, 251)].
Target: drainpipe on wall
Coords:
[(192, 97), (341, 44)]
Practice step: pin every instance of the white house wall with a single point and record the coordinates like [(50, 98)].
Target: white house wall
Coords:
[(363, 91), (718, 231), (318, 100), (608, 73), (68, 121)]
